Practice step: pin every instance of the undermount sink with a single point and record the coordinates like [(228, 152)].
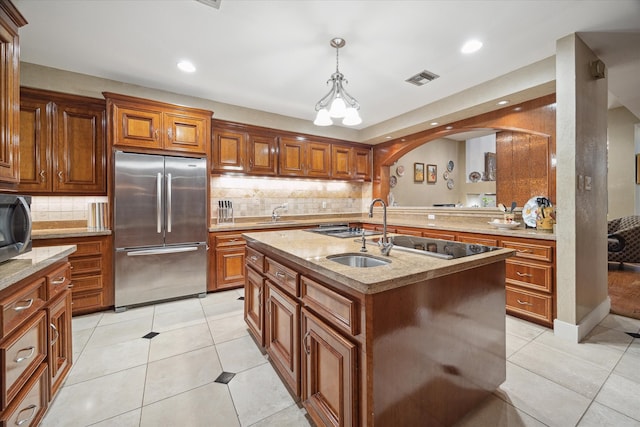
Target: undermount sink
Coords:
[(358, 260)]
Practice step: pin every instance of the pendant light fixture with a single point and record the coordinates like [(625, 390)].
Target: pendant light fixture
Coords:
[(337, 103)]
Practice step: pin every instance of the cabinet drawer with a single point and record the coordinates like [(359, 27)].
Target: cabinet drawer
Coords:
[(18, 306), (255, 259), (530, 304), (21, 354), (85, 301), (475, 240), (540, 252), (431, 234), (230, 240), (530, 275), (337, 309), (30, 405), (87, 265), (283, 276), (86, 283), (58, 281), (93, 247)]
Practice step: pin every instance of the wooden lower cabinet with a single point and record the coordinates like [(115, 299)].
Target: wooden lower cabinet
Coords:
[(35, 343), (91, 271), (254, 305), (60, 346), (282, 335), (226, 261), (329, 374)]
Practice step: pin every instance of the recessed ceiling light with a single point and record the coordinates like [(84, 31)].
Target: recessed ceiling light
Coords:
[(434, 123), (503, 102), (186, 66), (471, 46)]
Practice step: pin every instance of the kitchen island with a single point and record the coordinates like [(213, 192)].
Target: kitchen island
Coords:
[(417, 341)]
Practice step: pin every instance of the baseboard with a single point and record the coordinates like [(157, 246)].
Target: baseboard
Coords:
[(575, 333)]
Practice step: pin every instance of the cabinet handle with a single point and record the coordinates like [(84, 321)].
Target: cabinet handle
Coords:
[(524, 274), (58, 281), (31, 408), (24, 307), (155, 134), (280, 274), (30, 349), (523, 302), (307, 349), (269, 305), (170, 134), (253, 258), (233, 240), (55, 340), (43, 176), (60, 176), (524, 251)]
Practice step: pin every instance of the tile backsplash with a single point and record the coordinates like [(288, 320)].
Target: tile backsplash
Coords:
[(62, 208), (256, 197)]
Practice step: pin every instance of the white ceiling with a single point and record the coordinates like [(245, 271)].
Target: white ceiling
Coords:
[(275, 55)]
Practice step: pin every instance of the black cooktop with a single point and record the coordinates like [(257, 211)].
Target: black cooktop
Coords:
[(342, 231), (446, 249)]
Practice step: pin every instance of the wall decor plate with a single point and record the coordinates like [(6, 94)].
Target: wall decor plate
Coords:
[(445, 175), (393, 181), (475, 176), (450, 184), (530, 211), (400, 171), (450, 165)]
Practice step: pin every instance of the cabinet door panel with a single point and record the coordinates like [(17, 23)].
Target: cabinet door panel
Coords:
[(318, 159), (228, 149), (282, 335), (137, 128), (9, 114), (292, 157), (329, 374), (341, 162), (185, 133), (230, 267), (362, 164), (35, 159), (80, 150), (60, 353), (253, 305), (262, 155)]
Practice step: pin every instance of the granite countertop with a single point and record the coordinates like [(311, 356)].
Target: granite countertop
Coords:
[(60, 233), (22, 266), (481, 227), (311, 249)]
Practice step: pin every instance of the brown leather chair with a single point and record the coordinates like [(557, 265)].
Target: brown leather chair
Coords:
[(624, 239)]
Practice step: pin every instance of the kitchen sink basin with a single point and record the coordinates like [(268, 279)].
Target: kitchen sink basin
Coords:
[(358, 260)]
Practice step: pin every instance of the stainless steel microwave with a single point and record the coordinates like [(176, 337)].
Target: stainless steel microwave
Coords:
[(15, 225)]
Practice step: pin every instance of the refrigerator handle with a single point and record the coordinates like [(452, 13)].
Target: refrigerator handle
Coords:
[(159, 203), (168, 203)]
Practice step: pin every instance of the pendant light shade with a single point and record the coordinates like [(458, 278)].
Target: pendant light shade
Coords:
[(337, 104)]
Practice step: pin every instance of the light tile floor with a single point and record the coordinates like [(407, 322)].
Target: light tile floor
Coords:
[(121, 379)]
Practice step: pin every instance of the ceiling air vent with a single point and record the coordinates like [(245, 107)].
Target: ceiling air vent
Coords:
[(422, 77), (212, 3)]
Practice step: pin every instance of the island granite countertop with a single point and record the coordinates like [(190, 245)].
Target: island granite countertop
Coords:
[(22, 266), (310, 250)]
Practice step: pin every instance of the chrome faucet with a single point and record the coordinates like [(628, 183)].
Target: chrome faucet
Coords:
[(385, 244), (274, 214)]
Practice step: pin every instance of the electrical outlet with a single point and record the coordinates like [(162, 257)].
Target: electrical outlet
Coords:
[(580, 182), (431, 216), (324, 205)]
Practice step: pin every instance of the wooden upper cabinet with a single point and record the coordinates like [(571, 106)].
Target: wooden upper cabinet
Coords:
[(262, 152), (362, 164), (10, 21), (228, 151), (153, 126), (62, 143), (305, 158), (342, 162)]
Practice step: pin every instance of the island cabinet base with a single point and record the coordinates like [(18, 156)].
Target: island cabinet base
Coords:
[(437, 348), (422, 354)]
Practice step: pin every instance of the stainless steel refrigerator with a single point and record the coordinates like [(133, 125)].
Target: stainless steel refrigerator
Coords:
[(160, 228)]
